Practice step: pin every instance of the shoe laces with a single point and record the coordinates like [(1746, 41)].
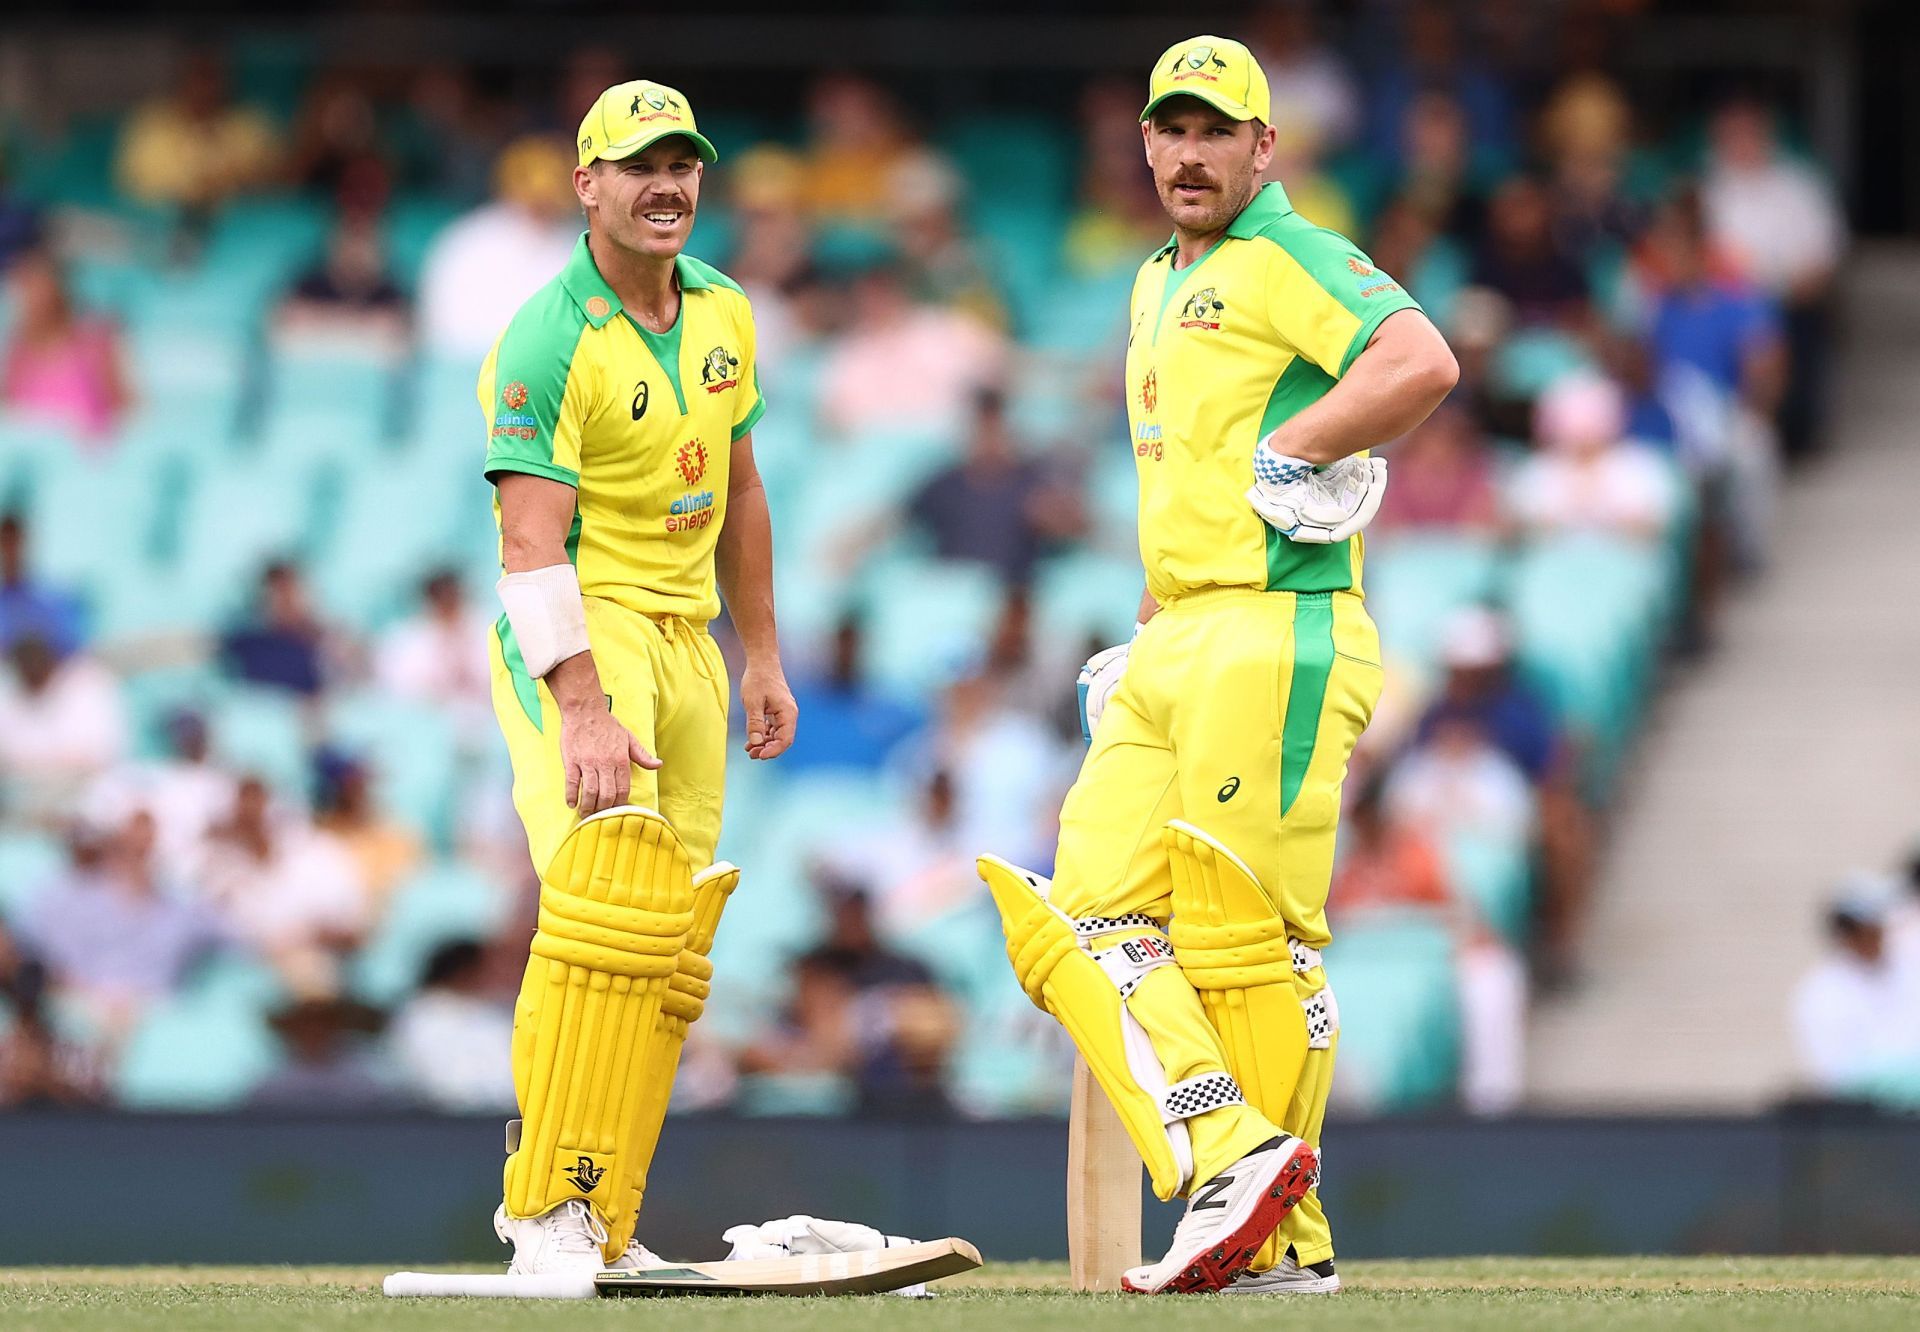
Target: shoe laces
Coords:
[(576, 1229), (641, 1254)]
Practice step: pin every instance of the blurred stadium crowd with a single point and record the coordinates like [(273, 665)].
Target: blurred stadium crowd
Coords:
[(256, 843)]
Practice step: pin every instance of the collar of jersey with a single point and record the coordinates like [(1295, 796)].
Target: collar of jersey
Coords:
[(1268, 203), (583, 282)]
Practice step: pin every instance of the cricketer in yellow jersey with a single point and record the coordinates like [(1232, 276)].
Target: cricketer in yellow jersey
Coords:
[(1265, 357), (620, 404)]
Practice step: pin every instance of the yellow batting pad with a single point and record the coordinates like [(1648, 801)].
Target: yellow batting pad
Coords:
[(1231, 942), (1135, 1023), (685, 1001), (615, 912)]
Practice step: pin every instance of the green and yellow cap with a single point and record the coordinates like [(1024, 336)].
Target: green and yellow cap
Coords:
[(629, 116), (1219, 71)]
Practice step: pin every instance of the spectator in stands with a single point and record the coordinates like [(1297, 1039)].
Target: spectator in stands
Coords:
[(1432, 55), (917, 868), (994, 506), (113, 936), (1009, 770), (1456, 784), (1520, 257), (1586, 130), (283, 646), (1778, 217), (29, 606), (334, 1065), (453, 1041), (941, 264), (902, 362), (447, 134), (1703, 314), (1315, 194), (850, 724), (1483, 688), (60, 366), (439, 653), (185, 792), (869, 1014), (337, 133), (21, 227), (1117, 221), (1490, 979), (296, 898), (349, 294), (1586, 475), (345, 813), (1443, 479), (1437, 178), (483, 266), (195, 148), (771, 255), (1385, 863), (1405, 240), (1856, 1015), (36, 1067), (62, 724), (857, 139), (1313, 90)]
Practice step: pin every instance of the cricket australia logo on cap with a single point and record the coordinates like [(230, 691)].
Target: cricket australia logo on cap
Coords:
[(1197, 62), (1203, 309), (717, 372), (665, 106)]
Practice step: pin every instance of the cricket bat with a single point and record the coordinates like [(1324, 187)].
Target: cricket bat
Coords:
[(1103, 1189), (868, 1272)]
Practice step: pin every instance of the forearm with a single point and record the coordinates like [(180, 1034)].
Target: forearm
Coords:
[(535, 516), (743, 563), (1395, 383)]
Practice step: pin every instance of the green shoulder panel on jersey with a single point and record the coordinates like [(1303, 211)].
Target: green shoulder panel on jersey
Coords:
[(1342, 270), (531, 365)]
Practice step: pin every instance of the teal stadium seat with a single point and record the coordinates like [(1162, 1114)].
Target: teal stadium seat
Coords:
[(1085, 595), (928, 623), (198, 1051), (443, 904), (29, 859), (1417, 581), (395, 520), (238, 513), (264, 732), (1399, 1010)]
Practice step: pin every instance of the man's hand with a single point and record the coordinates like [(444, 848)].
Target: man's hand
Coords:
[(1316, 505), (772, 715), (1098, 679), (599, 754)]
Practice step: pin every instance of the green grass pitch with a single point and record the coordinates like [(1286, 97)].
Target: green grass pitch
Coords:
[(1485, 1294)]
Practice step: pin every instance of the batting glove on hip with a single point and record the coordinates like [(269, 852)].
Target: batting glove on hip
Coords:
[(1098, 679), (1317, 505)]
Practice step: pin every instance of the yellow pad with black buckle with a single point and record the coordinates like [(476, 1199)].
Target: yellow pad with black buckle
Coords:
[(615, 912)]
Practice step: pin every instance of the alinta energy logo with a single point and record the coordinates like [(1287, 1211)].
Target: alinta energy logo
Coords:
[(1150, 390), (717, 372), (1363, 272), (514, 395), (1203, 309)]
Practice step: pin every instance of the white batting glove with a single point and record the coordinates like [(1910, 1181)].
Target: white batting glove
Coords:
[(1317, 505), (800, 1236), (1098, 679)]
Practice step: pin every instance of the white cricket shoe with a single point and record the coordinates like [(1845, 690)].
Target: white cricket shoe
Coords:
[(1288, 1278), (564, 1241), (636, 1257), (1229, 1218)]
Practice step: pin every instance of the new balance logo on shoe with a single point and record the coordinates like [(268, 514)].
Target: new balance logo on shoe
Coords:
[(1209, 1195)]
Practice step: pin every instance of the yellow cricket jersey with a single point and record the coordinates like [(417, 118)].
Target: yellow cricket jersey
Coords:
[(641, 424), (1221, 352)]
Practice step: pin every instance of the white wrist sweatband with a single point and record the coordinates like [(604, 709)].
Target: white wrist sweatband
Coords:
[(549, 623)]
